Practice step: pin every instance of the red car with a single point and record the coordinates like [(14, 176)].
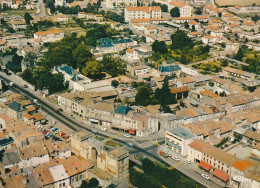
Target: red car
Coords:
[(45, 132)]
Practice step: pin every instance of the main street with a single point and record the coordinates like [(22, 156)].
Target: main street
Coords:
[(148, 151)]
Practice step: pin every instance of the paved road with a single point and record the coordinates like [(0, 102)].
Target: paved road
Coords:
[(40, 9), (149, 151)]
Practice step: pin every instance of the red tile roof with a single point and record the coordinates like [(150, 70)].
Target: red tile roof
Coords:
[(242, 165)]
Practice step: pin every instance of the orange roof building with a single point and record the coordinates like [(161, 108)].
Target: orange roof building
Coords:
[(242, 165)]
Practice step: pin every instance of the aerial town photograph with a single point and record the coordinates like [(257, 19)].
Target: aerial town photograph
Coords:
[(130, 94)]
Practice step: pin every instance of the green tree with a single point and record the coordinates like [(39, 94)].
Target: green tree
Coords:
[(30, 59), (186, 25), (163, 95), (239, 56), (164, 8), (143, 95), (175, 12), (159, 47), (180, 40), (27, 17), (112, 66), (27, 75), (82, 55), (224, 63), (114, 83), (15, 64), (193, 28), (92, 70)]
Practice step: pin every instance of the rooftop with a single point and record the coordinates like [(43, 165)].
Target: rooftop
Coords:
[(181, 132), (123, 109)]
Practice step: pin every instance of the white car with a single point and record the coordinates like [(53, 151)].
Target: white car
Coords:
[(176, 158), (94, 130), (205, 176), (127, 135), (104, 129), (187, 161), (71, 116)]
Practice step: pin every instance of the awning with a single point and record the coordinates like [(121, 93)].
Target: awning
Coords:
[(131, 131), (94, 120), (205, 166), (221, 175)]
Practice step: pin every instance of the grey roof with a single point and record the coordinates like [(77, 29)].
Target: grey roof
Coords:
[(123, 109), (11, 157), (6, 141), (16, 106), (181, 132)]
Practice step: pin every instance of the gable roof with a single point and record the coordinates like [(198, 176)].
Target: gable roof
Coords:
[(16, 106)]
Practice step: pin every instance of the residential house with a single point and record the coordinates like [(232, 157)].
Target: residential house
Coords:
[(5, 121), (248, 26), (180, 92), (6, 143), (19, 25), (139, 70), (201, 18), (195, 25), (117, 26), (209, 39), (117, 162), (135, 122), (62, 18), (132, 54), (11, 157), (120, 3), (185, 9), (49, 36), (253, 138), (228, 71), (14, 110), (211, 159), (33, 155), (194, 34), (163, 70), (210, 129), (142, 13), (178, 139)]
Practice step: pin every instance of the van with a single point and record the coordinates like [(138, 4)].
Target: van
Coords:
[(104, 129)]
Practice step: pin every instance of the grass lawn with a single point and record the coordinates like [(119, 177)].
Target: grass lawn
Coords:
[(99, 138), (113, 144), (19, 12)]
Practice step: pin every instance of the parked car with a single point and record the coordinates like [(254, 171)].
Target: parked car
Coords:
[(45, 132), (55, 130), (94, 130), (25, 86), (162, 153), (63, 134), (127, 135), (67, 138), (49, 135), (205, 176), (187, 161), (176, 158), (104, 129), (71, 116)]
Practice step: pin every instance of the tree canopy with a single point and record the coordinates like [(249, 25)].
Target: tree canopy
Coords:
[(27, 17), (159, 47), (175, 12), (180, 40)]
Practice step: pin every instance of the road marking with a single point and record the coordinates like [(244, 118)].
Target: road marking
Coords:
[(156, 143), (175, 165)]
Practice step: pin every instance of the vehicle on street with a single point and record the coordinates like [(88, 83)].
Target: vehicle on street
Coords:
[(187, 161), (127, 135), (104, 129), (71, 116), (63, 134), (11, 84), (162, 153), (25, 86), (205, 176), (176, 158), (94, 130), (129, 145), (49, 135)]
